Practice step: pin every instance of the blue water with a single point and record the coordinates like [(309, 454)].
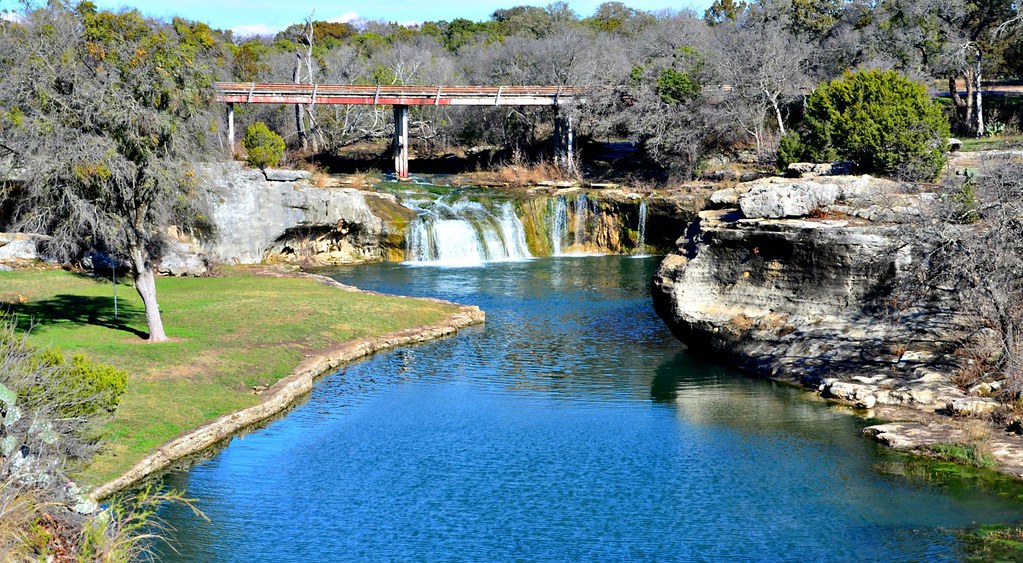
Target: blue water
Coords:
[(572, 426)]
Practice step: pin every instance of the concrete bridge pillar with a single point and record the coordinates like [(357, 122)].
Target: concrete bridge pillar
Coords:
[(563, 140), (401, 142), (230, 128)]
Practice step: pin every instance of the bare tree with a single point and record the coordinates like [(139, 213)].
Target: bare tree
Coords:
[(760, 64), (970, 249), (308, 136)]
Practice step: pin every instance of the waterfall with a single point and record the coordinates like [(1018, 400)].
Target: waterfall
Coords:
[(463, 227), (641, 241), (582, 209), (559, 225), (465, 233)]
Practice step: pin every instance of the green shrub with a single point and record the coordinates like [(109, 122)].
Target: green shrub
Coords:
[(790, 149), (263, 147), (965, 204), (84, 387), (675, 87), (881, 120)]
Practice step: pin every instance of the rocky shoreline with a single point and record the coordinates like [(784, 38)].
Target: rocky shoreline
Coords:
[(283, 394), (781, 277)]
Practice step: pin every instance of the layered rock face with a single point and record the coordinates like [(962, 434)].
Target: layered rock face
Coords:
[(792, 284), (289, 220)]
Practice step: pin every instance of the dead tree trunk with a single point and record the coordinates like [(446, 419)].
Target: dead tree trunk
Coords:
[(313, 133), (299, 121), (978, 104)]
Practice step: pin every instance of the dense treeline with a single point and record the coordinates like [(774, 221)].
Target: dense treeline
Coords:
[(654, 75)]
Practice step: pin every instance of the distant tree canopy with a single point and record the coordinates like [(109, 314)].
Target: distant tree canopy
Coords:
[(880, 120), (766, 52), (682, 85)]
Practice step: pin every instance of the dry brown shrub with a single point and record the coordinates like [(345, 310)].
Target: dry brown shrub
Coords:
[(972, 368), (19, 513), (826, 214)]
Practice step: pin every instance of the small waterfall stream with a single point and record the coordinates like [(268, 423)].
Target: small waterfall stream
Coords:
[(559, 225), (641, 228), (582, 209), (458, 227)]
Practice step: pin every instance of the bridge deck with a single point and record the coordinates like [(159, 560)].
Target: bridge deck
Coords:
[(256, 93)]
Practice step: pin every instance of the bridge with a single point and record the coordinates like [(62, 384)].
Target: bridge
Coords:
[(401, 97)]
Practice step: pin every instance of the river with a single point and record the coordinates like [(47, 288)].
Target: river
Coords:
[(572, 426)]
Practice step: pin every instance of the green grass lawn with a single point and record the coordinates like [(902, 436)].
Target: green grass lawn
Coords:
[(993, 143), (229, 334)]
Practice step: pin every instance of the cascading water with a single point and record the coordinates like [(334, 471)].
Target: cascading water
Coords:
[(466, 233), (582, 213), (559, 225), (641, 228), (470, 226)]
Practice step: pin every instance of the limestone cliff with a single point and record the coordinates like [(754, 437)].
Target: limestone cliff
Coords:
[(287, 219), (788, 280)]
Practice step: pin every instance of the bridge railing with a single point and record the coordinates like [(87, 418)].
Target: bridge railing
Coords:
[(284, 93)]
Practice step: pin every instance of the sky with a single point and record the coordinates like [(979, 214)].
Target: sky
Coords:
[(248, 17)]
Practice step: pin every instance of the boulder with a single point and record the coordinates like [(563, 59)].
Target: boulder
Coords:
[(812, 170), (972, 406), (182, 259), (291, 221), (768, 200), (19, 247), (726, 197), (281, 175)]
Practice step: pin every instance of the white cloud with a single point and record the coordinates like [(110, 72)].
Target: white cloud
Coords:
[(254, 29), (10, 16), (347, 17)]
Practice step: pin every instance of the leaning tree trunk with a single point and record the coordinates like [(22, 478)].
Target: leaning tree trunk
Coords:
[(969, 120), (777, 113), (145, 284), (978, 104), (299, 125)]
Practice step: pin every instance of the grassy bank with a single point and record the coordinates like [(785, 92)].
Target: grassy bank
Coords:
[(229, 334), (1000, 142)]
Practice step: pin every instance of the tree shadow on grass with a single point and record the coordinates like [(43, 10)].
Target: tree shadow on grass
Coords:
[(76, 310)]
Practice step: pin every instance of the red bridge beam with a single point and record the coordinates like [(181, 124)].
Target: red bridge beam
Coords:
[(255, 93)]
